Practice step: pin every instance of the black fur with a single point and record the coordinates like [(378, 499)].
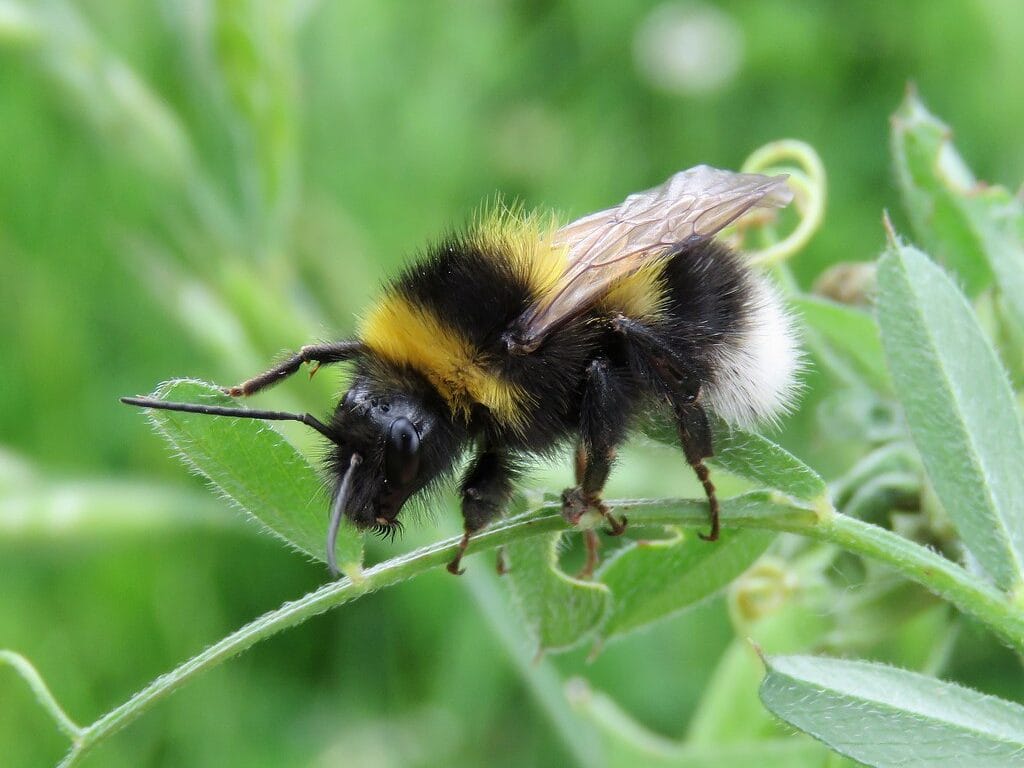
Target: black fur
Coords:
[(487, 488), (378, 395), (477, 295), (604, 419), (709, 305)]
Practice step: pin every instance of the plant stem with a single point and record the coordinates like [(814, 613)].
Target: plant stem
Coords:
[(931, 570), (298, 611), (765, 510)]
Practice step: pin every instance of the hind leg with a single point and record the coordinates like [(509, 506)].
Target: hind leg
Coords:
[(695, 436), (656, 361)]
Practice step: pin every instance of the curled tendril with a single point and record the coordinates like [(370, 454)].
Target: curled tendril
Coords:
[(807, 179), (46, 700)]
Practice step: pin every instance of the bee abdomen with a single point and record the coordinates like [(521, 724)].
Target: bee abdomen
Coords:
[(732, 323)]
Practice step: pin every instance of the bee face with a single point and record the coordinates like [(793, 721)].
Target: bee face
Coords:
[(395, 443)]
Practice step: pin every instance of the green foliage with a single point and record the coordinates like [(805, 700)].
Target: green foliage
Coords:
[(751, 456), (255, 468), (196, 190), (560, 611), (850, 332), (628, 743), (652, 580), (766, 464), (935, 182), (889, 717), (960, 407)]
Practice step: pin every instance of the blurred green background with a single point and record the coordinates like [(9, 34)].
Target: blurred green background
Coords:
[(188, 188)]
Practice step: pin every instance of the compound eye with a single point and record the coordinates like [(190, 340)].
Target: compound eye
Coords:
[(401, 454)]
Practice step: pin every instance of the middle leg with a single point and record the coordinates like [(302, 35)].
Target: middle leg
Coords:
[(604, 418)]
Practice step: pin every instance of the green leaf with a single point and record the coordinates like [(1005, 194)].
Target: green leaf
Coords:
[(768, 464), (883, 716), (998, 218), (651, 580), (977, 229), (933, 180), (105, 508), (540, 677), (626, 743), (560, 611), (781, 605), (755, 458), (256, 468), (960, 407), (850, 331), (101, 89)]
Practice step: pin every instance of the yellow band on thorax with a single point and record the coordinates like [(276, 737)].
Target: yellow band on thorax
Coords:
[(402, 333)]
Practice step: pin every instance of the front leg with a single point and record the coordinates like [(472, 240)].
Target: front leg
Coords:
[(486, 491), (319, 354), (604, 418)]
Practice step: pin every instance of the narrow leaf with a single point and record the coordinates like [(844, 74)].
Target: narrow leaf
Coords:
[(883, 716), (106, 508), (756, 458), (561, 611), (101, 89), (651, 580), (973, 227), (252, 48), (766, 610), (932, 179), (256, 468), (960, 407), (851, 332), (998, 218)]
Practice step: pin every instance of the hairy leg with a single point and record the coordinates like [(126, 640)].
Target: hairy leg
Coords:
[(486, 490), (695, 435), (320, 354), (653, 359), (604, 418)]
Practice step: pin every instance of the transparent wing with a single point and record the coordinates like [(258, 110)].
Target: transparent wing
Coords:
[(604, 247)]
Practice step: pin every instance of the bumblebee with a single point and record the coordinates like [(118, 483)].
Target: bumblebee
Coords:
[(519, 337)]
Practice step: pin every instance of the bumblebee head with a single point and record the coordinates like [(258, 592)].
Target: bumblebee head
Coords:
[(391, 441)]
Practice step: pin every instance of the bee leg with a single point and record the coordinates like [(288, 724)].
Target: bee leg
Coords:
[(695, 435), (580, 467), (453, 566), (604, 418), (593, 554), (486, 490), (321, 354), (653, 360)]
